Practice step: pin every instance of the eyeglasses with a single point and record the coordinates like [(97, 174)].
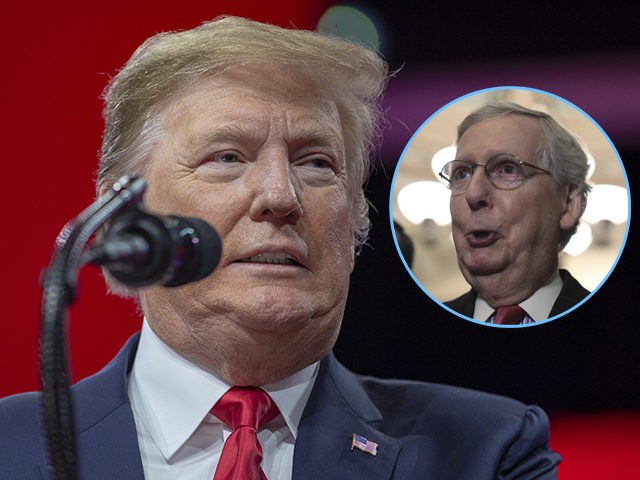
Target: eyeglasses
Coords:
[(504, 171)]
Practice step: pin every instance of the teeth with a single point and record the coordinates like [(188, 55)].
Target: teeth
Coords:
[(273, 258)]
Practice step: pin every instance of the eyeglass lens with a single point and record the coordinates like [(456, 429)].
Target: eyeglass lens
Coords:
[(504, 171)]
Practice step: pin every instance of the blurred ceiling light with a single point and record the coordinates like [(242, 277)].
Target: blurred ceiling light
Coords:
[(580, 241), (607, 202), (540, 107), (441, 157), (350, 23), (419, 201)]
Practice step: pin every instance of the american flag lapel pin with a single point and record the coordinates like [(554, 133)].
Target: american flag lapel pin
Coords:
[(364, 445)]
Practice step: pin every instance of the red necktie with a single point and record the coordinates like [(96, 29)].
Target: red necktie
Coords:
[(244, 410), (509, 315)]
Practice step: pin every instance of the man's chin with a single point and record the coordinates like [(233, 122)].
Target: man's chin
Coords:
[(281, 315), (482, 267), (272, 320)]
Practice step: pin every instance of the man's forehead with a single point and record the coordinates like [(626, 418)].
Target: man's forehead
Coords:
[(510, 122), (508, 131)]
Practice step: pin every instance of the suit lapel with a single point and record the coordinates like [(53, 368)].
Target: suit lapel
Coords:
[(571, 294), (465, 304), (337, 408)]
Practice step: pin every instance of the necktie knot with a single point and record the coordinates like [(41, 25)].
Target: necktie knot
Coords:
[(245, 407), (509, 315), (245, 410)]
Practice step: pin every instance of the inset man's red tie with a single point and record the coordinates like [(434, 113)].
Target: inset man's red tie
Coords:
[(509, 315), (244, 410)]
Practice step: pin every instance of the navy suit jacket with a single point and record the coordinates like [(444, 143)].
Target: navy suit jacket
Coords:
[(571, 294), (423, 431)]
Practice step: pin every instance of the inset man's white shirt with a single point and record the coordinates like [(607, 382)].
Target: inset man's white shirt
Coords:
[(538, 306)]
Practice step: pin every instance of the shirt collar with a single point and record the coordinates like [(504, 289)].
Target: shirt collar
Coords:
[(538, 306), (292, 393), (172, 396)]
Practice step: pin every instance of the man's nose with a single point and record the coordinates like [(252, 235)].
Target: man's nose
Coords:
[(276, 193), (479, 190)]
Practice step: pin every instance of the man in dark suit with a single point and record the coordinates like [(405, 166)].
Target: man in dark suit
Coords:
[(422, 431), (265, 133), (512, 216)]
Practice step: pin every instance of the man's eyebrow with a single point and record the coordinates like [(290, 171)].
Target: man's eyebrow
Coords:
[(230, 132), (311, 134), (299, 136)]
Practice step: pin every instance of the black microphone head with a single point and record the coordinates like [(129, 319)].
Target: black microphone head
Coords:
[(168, 250), (197, 249)]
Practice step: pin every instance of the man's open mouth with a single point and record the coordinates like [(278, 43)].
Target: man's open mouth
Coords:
[(482, 238)]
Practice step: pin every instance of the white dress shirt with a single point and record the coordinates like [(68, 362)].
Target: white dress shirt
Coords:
[(178, 437), (538, 306)]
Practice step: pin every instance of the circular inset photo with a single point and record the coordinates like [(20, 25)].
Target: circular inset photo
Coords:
[(510, 207)]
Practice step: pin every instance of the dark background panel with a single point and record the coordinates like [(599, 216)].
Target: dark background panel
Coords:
[(588, 359), (589, 55)]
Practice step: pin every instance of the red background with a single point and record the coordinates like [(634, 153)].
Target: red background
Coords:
[(61, 56), (56, 59)]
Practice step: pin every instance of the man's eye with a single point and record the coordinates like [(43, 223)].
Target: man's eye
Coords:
[(460, 173), (508, 168), (226, 157), (319, 163), (222, 158), (318, 171)]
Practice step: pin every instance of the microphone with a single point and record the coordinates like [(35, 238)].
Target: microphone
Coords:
[(141, 249)]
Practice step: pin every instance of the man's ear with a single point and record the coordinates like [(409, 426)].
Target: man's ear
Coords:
[(573, 207)]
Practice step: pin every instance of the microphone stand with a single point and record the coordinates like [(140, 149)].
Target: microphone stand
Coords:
[(59, 289)]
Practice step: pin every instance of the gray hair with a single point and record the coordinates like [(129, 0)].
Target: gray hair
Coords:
[(168, 64), (560, 152)]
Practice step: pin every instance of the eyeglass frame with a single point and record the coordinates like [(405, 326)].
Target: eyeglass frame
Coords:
[(447, 182)]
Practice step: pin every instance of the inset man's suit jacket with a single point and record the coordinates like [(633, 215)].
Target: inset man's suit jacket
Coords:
[(423, 431), (571, 294)]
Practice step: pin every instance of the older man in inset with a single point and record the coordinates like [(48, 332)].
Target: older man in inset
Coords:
[(265, 133), (518, 189)]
